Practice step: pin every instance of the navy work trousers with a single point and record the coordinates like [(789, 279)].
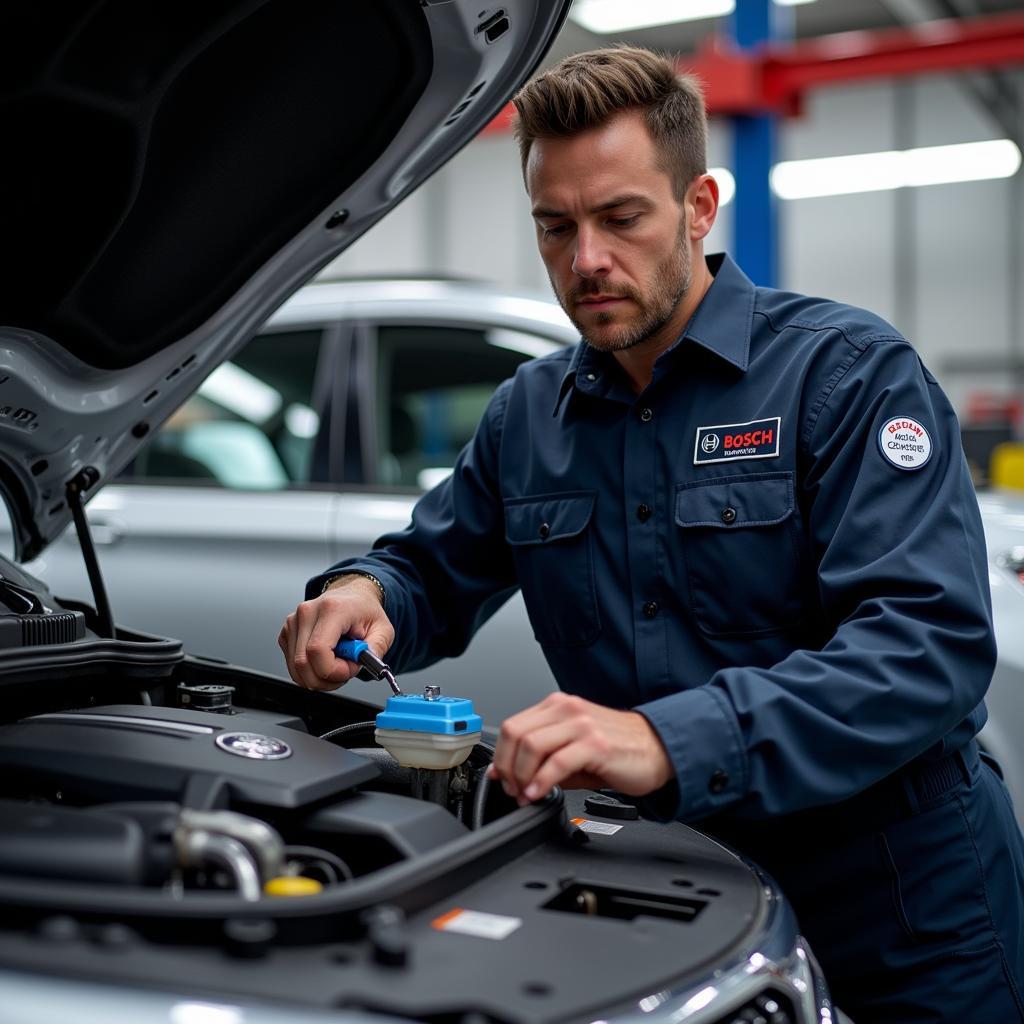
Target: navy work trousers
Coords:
[(911, 895)]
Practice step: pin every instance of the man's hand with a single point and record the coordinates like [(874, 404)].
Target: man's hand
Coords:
[(349, 607), (569, 741)]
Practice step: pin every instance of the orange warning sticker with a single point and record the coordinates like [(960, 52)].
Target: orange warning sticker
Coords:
[(440, 922), (597, 828), (476, 923)]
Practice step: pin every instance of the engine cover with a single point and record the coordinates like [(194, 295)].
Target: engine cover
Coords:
[(126, 751)]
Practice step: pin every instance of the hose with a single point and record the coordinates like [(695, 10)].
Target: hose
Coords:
[(483, 785), (313, 853), (347, 730)]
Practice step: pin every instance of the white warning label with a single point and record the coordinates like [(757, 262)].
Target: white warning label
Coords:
[(599, 828), (476, 923)]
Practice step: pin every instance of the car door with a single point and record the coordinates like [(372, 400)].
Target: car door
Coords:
[(430, 379), (208, 535)]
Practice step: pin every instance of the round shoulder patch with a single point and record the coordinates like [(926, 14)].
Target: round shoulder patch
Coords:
[(905, 442)]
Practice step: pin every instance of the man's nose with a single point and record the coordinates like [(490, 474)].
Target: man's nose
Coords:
[(592, 256)]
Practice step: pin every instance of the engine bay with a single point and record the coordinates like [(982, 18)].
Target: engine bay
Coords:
[(170, 821)]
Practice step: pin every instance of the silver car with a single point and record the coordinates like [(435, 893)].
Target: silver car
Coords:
[(308, 444)]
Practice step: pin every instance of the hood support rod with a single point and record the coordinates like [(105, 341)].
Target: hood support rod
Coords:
[(79, 483)]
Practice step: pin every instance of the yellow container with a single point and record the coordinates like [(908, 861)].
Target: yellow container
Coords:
[(1006, 468)]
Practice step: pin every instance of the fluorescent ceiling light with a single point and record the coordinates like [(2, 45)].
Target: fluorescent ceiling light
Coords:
[(243, 394), (301, 421), (607, 16), (911, 168)]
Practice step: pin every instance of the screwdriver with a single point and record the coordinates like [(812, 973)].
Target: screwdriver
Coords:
[(359, 652)]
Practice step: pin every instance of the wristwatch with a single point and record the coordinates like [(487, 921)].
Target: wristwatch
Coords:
[(359, 572)]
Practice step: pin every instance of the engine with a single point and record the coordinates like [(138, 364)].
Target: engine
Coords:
[(180, 799)]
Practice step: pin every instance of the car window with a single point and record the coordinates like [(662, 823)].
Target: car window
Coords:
[(434, 383), (251, 424)]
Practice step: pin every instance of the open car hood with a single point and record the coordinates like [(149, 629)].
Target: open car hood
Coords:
[(173, 172)]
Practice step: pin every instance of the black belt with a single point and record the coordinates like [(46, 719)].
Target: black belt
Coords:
[(895, 798)]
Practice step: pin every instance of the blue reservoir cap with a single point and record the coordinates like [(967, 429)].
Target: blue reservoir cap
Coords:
[(449, 716)]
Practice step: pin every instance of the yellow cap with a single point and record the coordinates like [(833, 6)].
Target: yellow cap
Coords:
[(292, 885)]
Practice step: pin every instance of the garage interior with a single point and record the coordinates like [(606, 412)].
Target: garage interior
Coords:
[(943, 261)]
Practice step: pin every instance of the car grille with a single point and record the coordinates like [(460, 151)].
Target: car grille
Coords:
[(768, 1008)]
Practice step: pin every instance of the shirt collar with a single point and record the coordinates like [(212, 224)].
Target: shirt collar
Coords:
[(722, 321), (721, 324)]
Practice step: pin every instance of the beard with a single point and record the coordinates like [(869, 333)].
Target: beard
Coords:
[(671, 281)]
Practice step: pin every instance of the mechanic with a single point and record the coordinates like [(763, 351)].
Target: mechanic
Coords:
[(748, 543)]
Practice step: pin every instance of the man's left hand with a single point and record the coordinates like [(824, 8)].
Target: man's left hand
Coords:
[(569, 741)]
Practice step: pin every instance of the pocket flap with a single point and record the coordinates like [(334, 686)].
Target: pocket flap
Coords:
[(544, 518), (732, 502)]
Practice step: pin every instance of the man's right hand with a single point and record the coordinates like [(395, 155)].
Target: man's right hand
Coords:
[(350, 607)]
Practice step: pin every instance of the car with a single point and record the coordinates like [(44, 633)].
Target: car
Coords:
[(187, 840), (240, 535), (248, 489), (1002, 512)]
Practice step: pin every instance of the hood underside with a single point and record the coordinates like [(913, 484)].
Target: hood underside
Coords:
[(174, 171), (147, 157)]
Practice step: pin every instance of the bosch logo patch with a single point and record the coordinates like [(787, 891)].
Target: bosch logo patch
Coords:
[(905, 442), (755, 439)]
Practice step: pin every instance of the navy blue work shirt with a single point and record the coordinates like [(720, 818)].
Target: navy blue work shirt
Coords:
[(774, 553)]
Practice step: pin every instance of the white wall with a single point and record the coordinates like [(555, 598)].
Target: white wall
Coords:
[(943, 263)]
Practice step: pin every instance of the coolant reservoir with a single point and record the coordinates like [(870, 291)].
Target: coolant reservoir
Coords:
[(427, 730)]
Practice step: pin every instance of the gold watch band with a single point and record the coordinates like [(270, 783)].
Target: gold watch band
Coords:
[(366, 575)]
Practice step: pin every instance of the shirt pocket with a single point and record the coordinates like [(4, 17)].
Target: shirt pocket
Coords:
[(740, 543), (552, 546)]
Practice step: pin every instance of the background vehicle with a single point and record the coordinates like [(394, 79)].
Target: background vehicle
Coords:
[(312, 441)]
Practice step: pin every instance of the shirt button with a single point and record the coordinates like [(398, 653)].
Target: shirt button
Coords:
[(728, 515), (544, 530), (646, 415), (651, 609), (591, 376), (718, 781), (644, 512)]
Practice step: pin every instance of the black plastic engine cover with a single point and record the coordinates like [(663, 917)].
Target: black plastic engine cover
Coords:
[(67, 842), (125, 752)]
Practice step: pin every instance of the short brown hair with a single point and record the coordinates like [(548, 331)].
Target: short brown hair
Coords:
[(588, 89)]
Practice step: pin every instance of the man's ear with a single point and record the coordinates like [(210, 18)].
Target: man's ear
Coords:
[(702, 199)]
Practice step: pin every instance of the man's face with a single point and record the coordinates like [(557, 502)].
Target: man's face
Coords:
[(612, 234)]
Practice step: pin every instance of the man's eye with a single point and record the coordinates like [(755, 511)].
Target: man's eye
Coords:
[(624, 222), (555, 230)]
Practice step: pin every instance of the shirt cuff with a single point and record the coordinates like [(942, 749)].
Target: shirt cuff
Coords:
[(699, 731), (315, 586)]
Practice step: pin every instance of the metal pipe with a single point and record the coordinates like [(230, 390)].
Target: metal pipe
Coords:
[(202, 849), (262, 841)]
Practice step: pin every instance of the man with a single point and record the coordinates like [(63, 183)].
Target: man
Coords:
[(748, 543)]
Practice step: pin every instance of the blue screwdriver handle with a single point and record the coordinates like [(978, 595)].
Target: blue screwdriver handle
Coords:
[(351, 649), (359, 652)]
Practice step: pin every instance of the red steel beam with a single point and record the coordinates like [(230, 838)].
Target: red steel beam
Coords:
[(773, 79)]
